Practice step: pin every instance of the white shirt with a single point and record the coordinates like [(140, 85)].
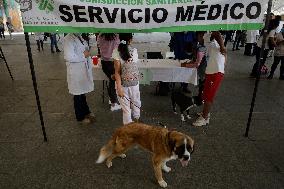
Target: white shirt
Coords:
[(39, 36), (259, 42), (252, 36), (79, 69), (279, 49), (216, 61)]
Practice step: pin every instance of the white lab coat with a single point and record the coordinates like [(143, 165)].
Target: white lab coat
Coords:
[(79, 69), (252, 36), (39, 36)]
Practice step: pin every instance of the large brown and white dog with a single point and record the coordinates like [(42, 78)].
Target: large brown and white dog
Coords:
[(165, 145)]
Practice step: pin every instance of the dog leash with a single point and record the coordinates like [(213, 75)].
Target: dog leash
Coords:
[(132, 103)]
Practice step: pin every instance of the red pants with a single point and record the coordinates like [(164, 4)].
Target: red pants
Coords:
[(211, 85)]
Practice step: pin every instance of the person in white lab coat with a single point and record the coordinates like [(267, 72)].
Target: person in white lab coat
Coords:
[(39, 37), (252, 37), (79, 74)]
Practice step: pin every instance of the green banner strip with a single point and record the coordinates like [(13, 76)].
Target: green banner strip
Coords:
[(213, 27)]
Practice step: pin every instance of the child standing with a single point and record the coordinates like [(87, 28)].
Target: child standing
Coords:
[(214, 75), (127, 78)]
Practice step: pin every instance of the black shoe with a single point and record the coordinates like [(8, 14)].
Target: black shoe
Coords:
[(57, 50), (233, 49), (238, 49)]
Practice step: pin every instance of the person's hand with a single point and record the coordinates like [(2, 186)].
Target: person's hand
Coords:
[(120, 92), (87, 54), (191, 65)]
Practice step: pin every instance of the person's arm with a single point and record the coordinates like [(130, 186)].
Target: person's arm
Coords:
[(117, 72), (217, 36), (196, 63), (117, 76)]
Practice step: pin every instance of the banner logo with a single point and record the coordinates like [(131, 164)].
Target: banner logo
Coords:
[(47, 5), (25, 5)]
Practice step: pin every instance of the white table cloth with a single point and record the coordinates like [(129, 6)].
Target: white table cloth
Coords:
[(166, 70)]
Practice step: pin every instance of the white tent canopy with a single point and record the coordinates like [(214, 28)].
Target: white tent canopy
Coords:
[(278, 7)]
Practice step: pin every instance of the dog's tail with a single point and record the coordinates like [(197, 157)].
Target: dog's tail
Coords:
[(105, 151)]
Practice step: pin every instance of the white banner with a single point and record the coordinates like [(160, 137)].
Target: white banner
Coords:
[(67, 16)]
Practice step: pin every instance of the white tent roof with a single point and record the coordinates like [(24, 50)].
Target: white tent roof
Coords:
[(278, 7)]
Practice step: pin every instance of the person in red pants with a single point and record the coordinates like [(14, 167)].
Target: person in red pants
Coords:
[(214, 75)]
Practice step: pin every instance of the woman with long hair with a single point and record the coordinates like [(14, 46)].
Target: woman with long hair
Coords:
[(107, 42)]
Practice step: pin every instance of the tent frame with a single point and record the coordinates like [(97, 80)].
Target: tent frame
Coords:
[(258, 68), (253, 97)]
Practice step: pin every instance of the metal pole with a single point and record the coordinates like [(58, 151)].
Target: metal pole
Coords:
[(3, 57), (258, 66), (28, 44)]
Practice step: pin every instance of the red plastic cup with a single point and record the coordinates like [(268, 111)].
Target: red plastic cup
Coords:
[(95, 60)]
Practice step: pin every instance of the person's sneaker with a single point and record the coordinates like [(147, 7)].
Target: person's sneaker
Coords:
[(201, 113), (86, 121), (200, 122), (109, 102), (115, 107)]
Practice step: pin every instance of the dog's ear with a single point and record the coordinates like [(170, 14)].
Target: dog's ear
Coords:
[(190, 142), (193, 148)]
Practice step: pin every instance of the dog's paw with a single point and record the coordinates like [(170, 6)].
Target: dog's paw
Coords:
[(163, 183), (109, 164), (166, 169), (188, 117), (122, 156)]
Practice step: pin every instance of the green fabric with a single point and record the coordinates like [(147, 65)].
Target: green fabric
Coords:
[(70, 29)]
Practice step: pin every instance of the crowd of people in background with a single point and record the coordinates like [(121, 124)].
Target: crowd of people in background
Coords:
[(9, 28)]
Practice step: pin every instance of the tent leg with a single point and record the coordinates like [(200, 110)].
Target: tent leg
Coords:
[(258, 67), (35, 84), (3, 57)]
